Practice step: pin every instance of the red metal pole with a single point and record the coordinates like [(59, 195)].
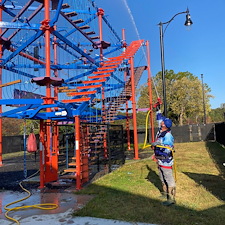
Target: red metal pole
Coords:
[(150, 92), (51, 162), (78, 153), (125, 79), (42, 154), (0, 94), (56, 92), (127, 115), (134, 109), (103, 120), (100, 14), (47, 45), (48, 156)]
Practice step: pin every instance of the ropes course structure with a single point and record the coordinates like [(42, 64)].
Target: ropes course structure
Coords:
[(62, 62)]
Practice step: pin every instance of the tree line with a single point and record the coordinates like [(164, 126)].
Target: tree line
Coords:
[(184, 95)]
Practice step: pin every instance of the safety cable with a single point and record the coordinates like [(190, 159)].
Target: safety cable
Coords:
[(157, 93), (44, 206)]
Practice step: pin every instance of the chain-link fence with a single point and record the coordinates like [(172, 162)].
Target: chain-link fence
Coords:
[(186, 133)]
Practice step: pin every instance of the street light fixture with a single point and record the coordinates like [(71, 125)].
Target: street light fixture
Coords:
[(188, 22)]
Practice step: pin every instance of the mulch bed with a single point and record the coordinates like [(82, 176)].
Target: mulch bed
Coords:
[(14, 170)]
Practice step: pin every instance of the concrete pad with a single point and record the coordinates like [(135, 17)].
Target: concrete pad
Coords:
[(66, 218), (67, 203)]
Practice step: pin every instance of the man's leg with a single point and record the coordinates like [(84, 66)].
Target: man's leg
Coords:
[(164, 185), (167, 174)]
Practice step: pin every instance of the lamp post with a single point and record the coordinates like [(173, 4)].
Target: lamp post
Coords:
[(188, 22), (203, 100)]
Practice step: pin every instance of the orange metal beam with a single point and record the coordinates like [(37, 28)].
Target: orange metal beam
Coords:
[(111, 63), (90, 86), (10, 83), (62, 88), (115, 58), (76, 100), (93, 81), (115, 61), (106, 71), (68, 90), (82, 93), (99, 76), (107, 67)]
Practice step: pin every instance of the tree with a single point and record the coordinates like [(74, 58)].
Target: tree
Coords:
[(184, 96), (217, 115), (12, 126)]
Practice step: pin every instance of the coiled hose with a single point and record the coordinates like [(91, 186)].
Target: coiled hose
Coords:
[(45, 206)]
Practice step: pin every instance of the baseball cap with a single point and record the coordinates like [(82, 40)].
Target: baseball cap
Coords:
[(167, 122)]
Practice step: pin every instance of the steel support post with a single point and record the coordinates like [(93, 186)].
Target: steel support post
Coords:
[(42, 154), (77, 152), (0, 95), (51, 170), (134, 109), (127, 105), (150, 92), (100, 15)]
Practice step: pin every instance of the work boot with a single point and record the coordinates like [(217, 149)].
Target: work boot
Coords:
[(170, 197), (164, 192)]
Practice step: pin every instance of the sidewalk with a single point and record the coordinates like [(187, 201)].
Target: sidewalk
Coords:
[(65, 219)]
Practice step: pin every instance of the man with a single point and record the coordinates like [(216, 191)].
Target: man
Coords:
[(163, 153)]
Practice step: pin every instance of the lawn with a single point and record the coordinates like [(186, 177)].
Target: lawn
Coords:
[(131, 193)]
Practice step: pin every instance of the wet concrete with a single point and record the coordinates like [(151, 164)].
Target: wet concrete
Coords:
[(65, 200)]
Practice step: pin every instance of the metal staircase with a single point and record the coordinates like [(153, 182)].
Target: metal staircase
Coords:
[(92, 147)]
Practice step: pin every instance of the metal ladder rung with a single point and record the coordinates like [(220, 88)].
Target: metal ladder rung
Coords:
[(95, 37), (84, 27), (70, 14), (78, 21), (90, 32), (65, 6)]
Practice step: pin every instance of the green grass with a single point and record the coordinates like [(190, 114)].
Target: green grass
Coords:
[(131, 193), (12, 155)]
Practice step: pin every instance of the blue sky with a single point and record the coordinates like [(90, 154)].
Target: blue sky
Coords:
[(199, 50)]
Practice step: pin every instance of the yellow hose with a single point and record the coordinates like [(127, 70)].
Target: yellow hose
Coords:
[(146, 131), (45, 206)]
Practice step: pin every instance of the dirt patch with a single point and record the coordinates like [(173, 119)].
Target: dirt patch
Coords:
[(16, 169)]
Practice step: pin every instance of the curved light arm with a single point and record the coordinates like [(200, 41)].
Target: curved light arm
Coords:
[(188, 21), (175, 16)]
